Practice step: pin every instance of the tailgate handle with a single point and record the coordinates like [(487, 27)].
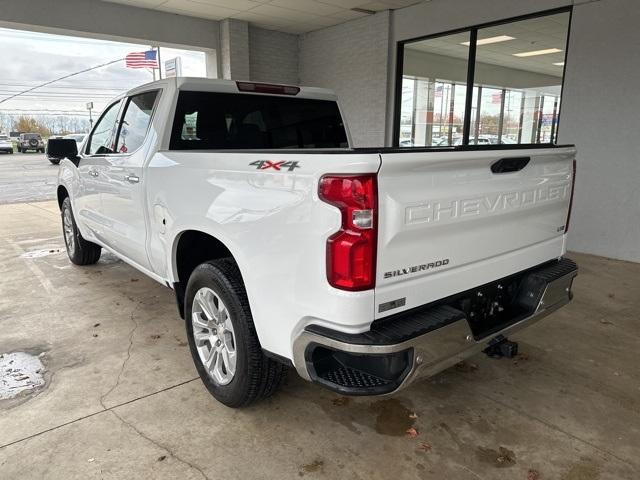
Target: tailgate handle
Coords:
[(511, 164)]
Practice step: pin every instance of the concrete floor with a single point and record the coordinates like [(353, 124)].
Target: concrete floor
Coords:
[(123, 401), (27, 177)]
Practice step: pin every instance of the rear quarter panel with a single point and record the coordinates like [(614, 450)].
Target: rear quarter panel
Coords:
[(272, 222)]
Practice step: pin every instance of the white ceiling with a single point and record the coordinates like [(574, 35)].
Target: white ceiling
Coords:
[(535, 34), (291, 16)]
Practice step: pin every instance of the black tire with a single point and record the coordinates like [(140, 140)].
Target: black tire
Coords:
[(256, 375), (81, 252), (55, 161), (41, 150)]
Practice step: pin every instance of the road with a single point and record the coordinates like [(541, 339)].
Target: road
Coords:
[(27, 177)]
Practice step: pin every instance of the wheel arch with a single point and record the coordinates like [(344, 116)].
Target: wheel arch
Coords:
[(61, 194), (191, 247)]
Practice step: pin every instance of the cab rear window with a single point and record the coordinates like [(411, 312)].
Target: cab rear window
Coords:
[(221, 121)]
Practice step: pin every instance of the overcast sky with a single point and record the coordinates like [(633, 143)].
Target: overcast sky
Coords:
[(29, 59)]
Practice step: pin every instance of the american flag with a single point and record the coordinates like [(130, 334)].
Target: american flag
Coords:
[(148, 59)]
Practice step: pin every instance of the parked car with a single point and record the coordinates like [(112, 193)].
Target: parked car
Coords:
[(30, 141), (363, 269), (6, 145), (487, 140), (77, 137)]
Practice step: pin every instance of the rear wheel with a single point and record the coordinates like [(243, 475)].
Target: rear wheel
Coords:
[(222, 337), (79, 250), (55, 161)]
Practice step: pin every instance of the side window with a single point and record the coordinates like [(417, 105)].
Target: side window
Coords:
[(135, 122), (101, 140)]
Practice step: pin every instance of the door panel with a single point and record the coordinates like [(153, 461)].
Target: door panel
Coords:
[(123, 204), (123, 207), (88, 200), (92, 169)]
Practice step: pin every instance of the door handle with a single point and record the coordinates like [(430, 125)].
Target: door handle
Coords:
[(132, 178), (93, 173)]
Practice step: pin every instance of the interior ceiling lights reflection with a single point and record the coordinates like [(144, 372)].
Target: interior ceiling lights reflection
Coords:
[(559, 64), (535, 53), (489, 40)]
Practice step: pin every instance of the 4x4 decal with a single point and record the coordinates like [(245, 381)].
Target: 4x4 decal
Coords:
[(280, 165)]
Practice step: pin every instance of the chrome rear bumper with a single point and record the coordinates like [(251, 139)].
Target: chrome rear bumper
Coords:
[(438, 349)]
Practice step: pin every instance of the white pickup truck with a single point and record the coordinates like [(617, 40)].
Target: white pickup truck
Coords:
[(363, 269)]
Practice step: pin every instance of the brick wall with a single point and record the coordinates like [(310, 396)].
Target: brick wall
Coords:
[(273, 56), (352, 60)]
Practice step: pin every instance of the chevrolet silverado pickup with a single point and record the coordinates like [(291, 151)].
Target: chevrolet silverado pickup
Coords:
[(362, 268)]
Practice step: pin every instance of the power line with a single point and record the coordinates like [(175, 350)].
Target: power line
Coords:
[(41, 110), (84, 87), (83, 115), (60, 78)]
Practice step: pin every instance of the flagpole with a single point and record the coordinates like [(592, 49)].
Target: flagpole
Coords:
[(159, 63), (153, 70)]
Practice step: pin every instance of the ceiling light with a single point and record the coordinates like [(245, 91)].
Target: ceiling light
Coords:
[(537, 52), (487, 41), (559, 64)]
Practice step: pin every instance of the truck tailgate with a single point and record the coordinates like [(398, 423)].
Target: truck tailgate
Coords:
[(453, 220)]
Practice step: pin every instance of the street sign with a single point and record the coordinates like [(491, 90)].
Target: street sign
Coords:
[(173, 67), (89, 105)]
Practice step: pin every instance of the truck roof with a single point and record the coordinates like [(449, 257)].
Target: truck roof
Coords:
[(231, 86)]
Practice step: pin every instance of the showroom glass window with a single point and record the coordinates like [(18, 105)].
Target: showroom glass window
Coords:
[(516, 71), (103, 135), (135, 123)]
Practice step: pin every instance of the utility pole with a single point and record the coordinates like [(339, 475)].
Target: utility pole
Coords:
[(90, 107)]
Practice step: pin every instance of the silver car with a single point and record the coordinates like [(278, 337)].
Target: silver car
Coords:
[(6, 145)]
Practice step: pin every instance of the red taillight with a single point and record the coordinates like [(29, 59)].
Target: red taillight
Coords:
[(267, 88), (351, 252), (573, 187)]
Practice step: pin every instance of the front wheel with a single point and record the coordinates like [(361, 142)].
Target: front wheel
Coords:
[(79, 250), (55, 161), (222, 337)]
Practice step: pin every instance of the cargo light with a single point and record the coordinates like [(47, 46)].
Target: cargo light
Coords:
[(351, 251), (267, 88)]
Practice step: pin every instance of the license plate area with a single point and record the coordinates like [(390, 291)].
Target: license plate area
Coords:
[(495, 306)]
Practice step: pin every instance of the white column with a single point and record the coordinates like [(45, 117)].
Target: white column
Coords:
[(234, 49)]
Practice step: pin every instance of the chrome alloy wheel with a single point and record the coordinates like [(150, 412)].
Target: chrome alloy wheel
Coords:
[(67, 226), (214, 336)]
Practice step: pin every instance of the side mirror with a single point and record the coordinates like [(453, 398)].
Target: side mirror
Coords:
[(63, 148)]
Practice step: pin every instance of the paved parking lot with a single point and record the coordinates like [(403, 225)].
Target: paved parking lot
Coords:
[(122, 399), (27, 177)]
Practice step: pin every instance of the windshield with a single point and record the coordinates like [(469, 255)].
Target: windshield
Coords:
[(4, 138), (209, 120), (29, 136)]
